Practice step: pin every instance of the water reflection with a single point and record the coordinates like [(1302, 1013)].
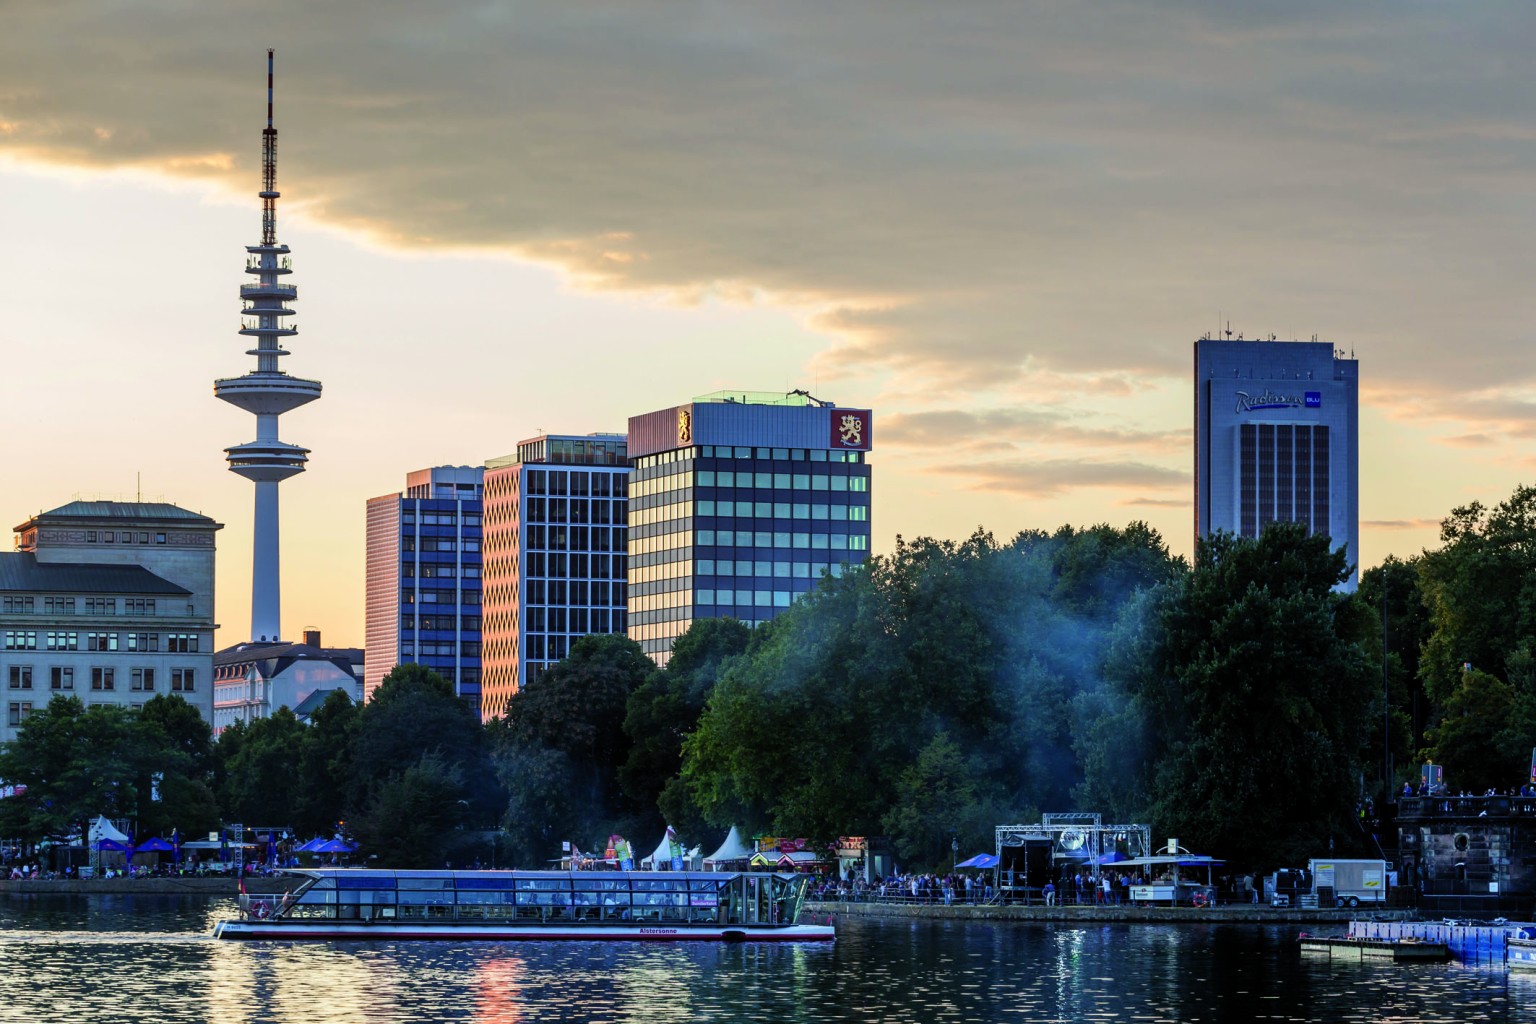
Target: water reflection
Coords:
[(124, 958)]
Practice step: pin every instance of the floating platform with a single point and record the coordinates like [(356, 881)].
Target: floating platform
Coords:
[(1469, 941), (1401, 951)]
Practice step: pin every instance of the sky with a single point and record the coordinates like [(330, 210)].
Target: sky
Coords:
[(1001, 225)]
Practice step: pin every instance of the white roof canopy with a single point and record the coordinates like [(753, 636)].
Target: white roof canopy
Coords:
[(731, 850)]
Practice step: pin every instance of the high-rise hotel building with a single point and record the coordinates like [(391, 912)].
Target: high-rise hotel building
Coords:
[(555, 541), (1277, 439), (423, 579), (739, 503)]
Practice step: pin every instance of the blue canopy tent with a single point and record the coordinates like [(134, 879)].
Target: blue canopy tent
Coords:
[(310, 846), (333, 846), (981, 860), (155, 845), (111, 844)]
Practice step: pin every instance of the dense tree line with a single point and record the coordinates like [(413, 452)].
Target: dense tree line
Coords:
[(1246, 703)]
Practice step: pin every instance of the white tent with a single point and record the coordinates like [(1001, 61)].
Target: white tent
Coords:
[(733, 849), (661, 859), (101, 829)]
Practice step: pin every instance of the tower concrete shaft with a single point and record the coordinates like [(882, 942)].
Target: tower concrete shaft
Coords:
[(267, 392)]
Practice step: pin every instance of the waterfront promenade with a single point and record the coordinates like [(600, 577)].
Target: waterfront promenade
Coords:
[(1228, 913), (178, 886)]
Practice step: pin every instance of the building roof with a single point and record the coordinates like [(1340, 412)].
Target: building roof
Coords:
[(125, 510), (273, 657), (20, 570), (309, 705)]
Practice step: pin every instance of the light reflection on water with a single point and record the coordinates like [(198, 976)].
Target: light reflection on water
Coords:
[(112, 959)]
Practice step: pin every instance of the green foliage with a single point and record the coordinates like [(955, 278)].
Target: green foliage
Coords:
[(414, 713), (78, 763), (1485, 728), (411, 815), (1480, 588), (325, 764), (1256, 691), (818, 729), (260, 785), (562, 743), (664, 709)]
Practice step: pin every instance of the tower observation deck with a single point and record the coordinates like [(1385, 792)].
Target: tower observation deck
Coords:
[(267, 392)]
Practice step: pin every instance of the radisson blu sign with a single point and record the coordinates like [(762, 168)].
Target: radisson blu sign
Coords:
[(1268, 399)]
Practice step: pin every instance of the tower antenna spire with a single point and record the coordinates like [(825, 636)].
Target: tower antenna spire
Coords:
[(267, 392), (269, 192)]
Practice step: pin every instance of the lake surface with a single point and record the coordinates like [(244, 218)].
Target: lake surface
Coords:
[(129, 958)]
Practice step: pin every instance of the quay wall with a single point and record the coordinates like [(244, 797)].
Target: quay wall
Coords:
[(1237, 912), (146, 886)]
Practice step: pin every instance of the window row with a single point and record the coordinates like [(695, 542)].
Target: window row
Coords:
[(122, 537), (784, 510), (468, 623), (576, 538), (439, 649), (103, 678), (574, 592), (574, 566), (574, 510), (432, 571), (27, 605), (561, 483), (761, 569), (568, 620), (69, 640), (439, 544), (412, 517), (453, 596)]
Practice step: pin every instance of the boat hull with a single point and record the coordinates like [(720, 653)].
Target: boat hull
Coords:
[(1521, 954), (364, 931)]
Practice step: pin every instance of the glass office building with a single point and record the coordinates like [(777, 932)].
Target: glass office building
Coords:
[(1277, 439), (424, 579), (555, 555), (739, 503)]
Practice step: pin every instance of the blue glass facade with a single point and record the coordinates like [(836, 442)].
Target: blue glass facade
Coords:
[(424, 601)]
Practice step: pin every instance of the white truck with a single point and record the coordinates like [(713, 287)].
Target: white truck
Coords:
[(1352, 882)]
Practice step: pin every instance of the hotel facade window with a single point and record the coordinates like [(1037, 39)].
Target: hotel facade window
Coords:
[(1277, 440), (739, 504)]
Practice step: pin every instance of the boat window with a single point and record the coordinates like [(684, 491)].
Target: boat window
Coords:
[(706, 884), (323, 883), (483, 884), (439, 883), (660, 884), (602, 884), (365, 882), (543, 884)]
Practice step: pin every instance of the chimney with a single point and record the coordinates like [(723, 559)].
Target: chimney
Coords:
[(312, 637)]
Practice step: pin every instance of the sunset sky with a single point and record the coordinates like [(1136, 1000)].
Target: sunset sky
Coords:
[(1001, 225)]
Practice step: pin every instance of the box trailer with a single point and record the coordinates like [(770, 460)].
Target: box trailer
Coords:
[(1348, 883)]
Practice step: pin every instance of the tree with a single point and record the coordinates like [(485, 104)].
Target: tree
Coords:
[(77, 763), (664, 709), (1257, 692), (1480, 588), (1483, 735), (260, 784), (412, 714), (411, 815), (562, 743), (325, 763)]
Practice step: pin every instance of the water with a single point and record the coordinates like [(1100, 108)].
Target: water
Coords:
[(117, 959)]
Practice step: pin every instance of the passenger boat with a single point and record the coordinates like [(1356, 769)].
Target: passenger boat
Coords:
[(366, 903), (1520, 950)]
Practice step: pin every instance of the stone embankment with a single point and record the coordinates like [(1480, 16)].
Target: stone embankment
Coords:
[(146, 886), (1230, 913)]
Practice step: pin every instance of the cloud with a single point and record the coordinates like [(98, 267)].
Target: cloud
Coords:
[(1049, 477), (1159, 502), (1399, 524), (1468, 441), (947, 428), (961, 196)]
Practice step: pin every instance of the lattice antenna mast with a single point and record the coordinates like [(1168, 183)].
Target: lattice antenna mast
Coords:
[(269, 191)]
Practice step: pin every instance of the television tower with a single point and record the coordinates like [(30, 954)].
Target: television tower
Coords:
[(267, 392)]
